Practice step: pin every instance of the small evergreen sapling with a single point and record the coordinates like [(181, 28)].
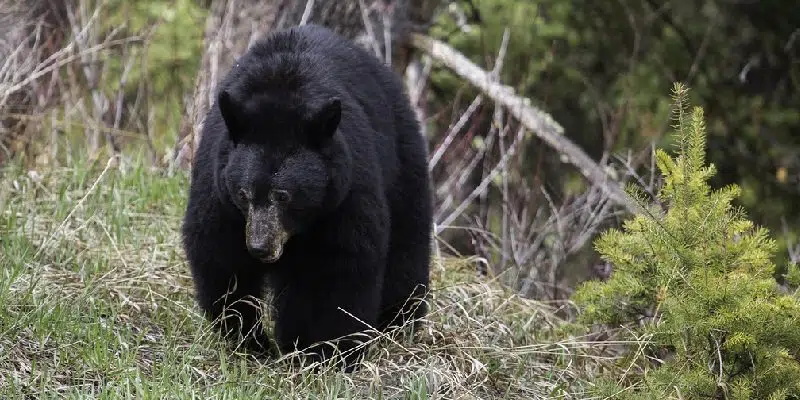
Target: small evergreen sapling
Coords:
[(695, 284)]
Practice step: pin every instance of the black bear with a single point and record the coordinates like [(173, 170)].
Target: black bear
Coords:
[(311, 177)]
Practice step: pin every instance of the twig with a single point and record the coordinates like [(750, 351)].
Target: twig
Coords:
[(307, 12), (370, 31), (109, 164), (56, 61), (451, 134), (505, 251), (466, 167), (482, 186), (386, 16)]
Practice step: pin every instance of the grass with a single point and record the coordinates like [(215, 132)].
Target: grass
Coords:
[(96, 302)]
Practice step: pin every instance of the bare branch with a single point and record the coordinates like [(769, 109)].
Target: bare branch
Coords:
[(453, 131), (541, 123), (369, 28), (484, 183), (306, 12)]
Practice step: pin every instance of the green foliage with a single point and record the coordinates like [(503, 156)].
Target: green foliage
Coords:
[(167, 61), (600, 68), (793, 275), (704, 274)]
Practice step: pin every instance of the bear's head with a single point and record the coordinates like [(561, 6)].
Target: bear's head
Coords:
[(287, 165)]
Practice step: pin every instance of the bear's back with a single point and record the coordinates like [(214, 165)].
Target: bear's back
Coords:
[(322, 60), (336, 56)]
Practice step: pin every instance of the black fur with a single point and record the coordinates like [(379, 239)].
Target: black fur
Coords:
[(306, 112)]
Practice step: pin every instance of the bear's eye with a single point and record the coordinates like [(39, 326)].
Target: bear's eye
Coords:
[(279, 196), (242, 194)]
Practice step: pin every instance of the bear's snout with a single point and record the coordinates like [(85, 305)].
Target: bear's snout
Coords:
[(265, 234)]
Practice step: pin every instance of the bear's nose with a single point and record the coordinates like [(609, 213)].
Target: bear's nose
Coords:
[(263, 254), (258, 251)]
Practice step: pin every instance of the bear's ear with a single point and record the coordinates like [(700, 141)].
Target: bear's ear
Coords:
[(227, 107), (325, 120)]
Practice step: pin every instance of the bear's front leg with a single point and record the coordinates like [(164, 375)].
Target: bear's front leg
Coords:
[(230, 299), (228, 282), (339, 298)]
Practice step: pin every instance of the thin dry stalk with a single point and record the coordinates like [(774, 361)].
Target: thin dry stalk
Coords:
[(370, 30), (454, 130), (306, 12)]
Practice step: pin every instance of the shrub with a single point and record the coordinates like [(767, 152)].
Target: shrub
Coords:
[(693, 281)]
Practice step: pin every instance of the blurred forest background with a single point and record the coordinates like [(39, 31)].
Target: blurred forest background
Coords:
[(135, 78)]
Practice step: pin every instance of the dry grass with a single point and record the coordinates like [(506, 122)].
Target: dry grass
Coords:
[(95, 301)]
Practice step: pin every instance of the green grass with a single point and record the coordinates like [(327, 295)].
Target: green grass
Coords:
[(96, 302)]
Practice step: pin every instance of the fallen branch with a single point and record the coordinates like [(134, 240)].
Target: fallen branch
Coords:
[(538, 121)]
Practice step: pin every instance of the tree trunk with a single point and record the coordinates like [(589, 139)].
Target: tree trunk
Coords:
[(233, 25)]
